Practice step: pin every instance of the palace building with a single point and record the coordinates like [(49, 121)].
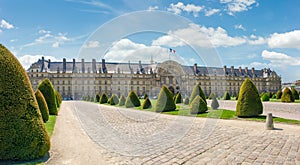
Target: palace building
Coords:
[(75, 79)]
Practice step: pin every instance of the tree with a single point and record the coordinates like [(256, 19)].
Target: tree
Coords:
[(48, 91), (114, 100), (198, 106), (146, 104), (265, 97), (97, 98), (249, 103), (278, 94), (42, 105), (287, 96), (122, 100), (103, 98), (295, 93), (178, 98), (132, 100), (23, 135), (197, 91), (214, 103), (226, 96), (165, 101)]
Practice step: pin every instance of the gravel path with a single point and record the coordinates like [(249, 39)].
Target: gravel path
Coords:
[(88, 133)]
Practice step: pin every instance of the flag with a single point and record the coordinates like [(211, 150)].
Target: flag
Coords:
[(172, 50)]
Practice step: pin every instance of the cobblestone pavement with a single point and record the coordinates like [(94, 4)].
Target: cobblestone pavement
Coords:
[(126, 136)]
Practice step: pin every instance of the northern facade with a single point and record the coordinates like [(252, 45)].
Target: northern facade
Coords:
[(76, 79)]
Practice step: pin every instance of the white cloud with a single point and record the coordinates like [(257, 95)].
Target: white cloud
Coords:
[(235, 6), (179, 7), (27, 60), (211, 12), (255, 40), (92, 44), (55, 45), (168, 40), (125, 50), (201, 36), (5, 25), (280, 59), (153, 8), (240, 27), (285, 40)]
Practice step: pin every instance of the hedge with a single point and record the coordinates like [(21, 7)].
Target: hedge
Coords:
[(249, 103), (178, 98), (132, 100), (23, 135), (214, 103), (147, 103), (114, 100), (226, 96), (165, 100), (42, 105), (48, 91), (186, 101), (265, 97), (97, 98), (198, 106), (122, 101), (103, 98), (197, 91), (287, 96)]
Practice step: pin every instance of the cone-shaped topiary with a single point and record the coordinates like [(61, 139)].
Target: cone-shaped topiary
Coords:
[(186, 101), (226, 96), (23, 135), (145, 95), (48, 91), (278, 94), (122, 101), (97, 98), (42, 105), (114, 100), (198, 106), (265, 97), (146, 104), (103, 98), (295, 93), (249, 103), (197, 91), (58, 99), (132, 100), (178, 98), (214, 103), (165, 101), (287, 96), (211, 96)]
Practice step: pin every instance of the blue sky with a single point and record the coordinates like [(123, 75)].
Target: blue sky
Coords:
[(252, 33)]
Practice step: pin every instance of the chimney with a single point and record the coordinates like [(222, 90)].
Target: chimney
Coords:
[(240, 70), (225, 69), (232, 69), (246, 70), (74, 66), (94, 66), (82, 66), (195, 69), (252, 70), (104, 66), (64, 65), (49, 62), (119, 71), (43, 63)]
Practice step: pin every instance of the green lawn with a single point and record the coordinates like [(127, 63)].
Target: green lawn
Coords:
[(278, 100), (50, 124)]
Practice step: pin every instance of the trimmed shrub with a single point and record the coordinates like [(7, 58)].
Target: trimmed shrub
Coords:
[(147, 103), (249, 103), (132, 100), (186, 101), (58, 99), (295, 93), (42, 105), (103, 98), (165, 101), (197, 91), (211, 96), (92, 99), (114, 100), (145, 95), (48, 91), (178, 98), (198, 106), (265, 97), (97, 98), (278, 94), (287, 96), (226, 96), (214, 103), (122, 101), (23, 135)]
